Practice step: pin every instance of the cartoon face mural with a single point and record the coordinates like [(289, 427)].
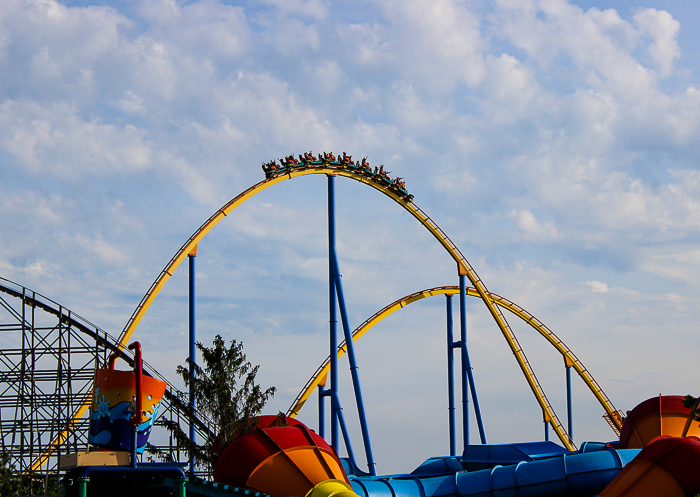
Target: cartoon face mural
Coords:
[(113, 402)]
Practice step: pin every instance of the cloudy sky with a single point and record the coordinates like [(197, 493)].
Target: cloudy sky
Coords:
[(555, 142)]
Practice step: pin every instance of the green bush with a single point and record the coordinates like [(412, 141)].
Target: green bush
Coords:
[(10, 482)]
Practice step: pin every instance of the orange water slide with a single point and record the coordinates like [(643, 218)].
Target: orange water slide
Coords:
[(662, 415)]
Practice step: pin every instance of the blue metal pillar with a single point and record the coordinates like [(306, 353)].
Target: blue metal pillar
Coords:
[(354, 369), (451, 377), (344, 429), (546, 426), (475, 398), (192, 340), (333, 319), (336, 289), (463, 349), (322, 393), (569, 400), (466, 365)]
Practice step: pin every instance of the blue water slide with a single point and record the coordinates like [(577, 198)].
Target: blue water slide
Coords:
[(583, 473)]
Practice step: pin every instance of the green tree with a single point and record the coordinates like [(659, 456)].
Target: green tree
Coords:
[(692, 403), (226, 392), (9, 480)]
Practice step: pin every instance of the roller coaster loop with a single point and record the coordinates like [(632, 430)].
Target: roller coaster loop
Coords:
[(558, 344), (405, 201)]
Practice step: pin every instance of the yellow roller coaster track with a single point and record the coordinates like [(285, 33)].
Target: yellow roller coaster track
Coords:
[(610, 411), (415, 211)]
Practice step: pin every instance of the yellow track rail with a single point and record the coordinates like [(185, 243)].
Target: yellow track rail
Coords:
[(322, 371), (415, 211)]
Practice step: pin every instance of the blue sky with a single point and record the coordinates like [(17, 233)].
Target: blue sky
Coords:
[(555, 142)]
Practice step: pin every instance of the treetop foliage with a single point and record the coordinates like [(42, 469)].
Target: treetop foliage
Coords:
[(692, 403), (226, 392)]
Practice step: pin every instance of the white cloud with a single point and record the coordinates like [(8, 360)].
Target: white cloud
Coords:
[(212, 30), (532, 229), (370, 43), (461, 182), (131, 103), (33, 208), (598, 286), (317, 9), (103, 250), (663, 30), (58, 142), (412, 112), (36, 269), (438, 43), (673, 264), (599, 44), (511, 90), (328, 75)]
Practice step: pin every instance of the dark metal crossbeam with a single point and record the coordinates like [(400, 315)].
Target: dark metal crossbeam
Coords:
[(48, 357)]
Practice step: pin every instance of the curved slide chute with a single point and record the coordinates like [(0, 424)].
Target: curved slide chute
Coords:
[(580, 474), (510, 306)]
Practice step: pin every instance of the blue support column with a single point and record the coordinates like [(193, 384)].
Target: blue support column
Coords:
[(475, 398), (192, 341), (354, 370), (322, 393), (463, 349), (451, 378), (344, 429), (466, 363), (336, 290), (569, 399), (546, 426), (333, 317)]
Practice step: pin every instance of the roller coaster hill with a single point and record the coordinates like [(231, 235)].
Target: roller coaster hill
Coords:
[(379, 175), (70, 419)]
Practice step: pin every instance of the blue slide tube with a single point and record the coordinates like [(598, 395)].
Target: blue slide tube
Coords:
[(574, 475)]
